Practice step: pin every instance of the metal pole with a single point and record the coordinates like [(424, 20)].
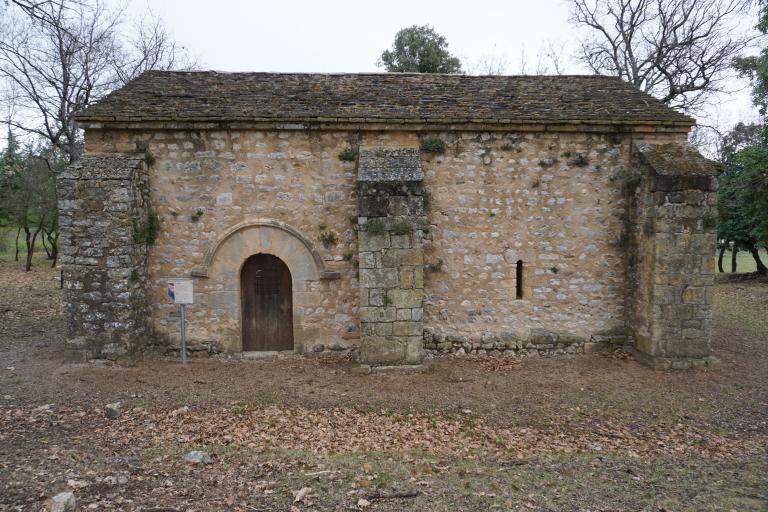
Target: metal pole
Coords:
[(183, 337)]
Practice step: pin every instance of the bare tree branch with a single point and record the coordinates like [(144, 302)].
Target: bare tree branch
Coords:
[(677, 50), (59, 56)]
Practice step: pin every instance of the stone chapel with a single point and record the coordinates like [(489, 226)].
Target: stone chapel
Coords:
[(390, 214)]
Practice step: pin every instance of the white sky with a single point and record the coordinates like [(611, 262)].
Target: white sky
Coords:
[(348, 36)]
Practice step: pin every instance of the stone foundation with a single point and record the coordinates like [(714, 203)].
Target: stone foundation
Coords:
[(539, 342)]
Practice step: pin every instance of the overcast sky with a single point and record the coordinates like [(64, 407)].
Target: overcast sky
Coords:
[(348, 36)]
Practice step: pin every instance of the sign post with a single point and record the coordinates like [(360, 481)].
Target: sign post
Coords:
[(181, 292)]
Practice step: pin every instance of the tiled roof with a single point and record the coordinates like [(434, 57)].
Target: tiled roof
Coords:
[(383, 97)]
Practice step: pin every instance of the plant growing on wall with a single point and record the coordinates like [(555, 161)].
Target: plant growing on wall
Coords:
[(328, 239), (433, 146), (436, 266), (146, 232), (198, 214), (348, 155), (402, 228), (375, 227), (426, 195), (579, 161)]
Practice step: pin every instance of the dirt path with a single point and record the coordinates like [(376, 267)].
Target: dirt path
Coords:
[(561, 433)]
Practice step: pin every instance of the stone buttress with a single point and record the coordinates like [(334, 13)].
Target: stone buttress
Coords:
[(391, 259), (670, 253), (103, 217)]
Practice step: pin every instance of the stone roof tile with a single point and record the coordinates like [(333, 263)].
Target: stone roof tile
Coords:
[(209, 96)]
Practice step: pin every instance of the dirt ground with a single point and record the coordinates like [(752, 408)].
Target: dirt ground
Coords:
[(566, 433)]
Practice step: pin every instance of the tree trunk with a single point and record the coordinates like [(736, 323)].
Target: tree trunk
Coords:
[(54, 241), (761, 268), (734, 252), (30, 246), (720, 257), (45, 246), (18, 234), (27, 239)]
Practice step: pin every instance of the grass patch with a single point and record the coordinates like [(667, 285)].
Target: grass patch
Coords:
[(745, 263)]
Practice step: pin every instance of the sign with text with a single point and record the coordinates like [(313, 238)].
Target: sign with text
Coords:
[(181, 291)]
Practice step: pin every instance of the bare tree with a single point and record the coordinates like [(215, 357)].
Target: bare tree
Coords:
[(548, 61), (58, 56), (680, 51), (492, 63)]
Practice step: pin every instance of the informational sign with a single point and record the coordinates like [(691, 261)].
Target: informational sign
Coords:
[(181, 291)]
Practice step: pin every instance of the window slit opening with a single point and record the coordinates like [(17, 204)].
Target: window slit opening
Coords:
[(519, 280)]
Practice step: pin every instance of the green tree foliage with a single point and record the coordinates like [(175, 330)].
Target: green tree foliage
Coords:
[(743, 202), (419, 49), (755, 67), (28, 196)]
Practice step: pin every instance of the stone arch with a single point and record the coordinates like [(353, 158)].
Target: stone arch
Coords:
[(223, 263), (319, 264)]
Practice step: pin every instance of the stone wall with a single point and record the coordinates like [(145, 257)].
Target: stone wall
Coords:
[(103, 210), (553, 201), (249, 192)]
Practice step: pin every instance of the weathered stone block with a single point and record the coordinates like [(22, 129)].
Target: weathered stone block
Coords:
[(408, 329), (368, 242), (402, 257), (378, 314), (406, 298), (377, 350), (379, 278)]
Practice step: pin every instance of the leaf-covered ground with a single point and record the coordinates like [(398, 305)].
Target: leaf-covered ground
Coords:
[(595, 432)]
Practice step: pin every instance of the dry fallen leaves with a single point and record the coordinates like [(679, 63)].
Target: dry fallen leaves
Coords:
[(345, 430)]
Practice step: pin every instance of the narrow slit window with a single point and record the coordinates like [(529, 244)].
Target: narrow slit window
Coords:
[(519, 280)]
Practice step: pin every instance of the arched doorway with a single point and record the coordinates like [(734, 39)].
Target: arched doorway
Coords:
[(267, 304)]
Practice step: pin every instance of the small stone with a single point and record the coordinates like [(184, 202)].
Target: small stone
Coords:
[(361, 369), (460, 352), (362, 503), (318, 348), (76, 484), (180, 410), (302, 493), (197, 457), (128, 460), (62, 502), (113, 411)]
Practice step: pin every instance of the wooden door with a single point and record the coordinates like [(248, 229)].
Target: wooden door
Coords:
[(267, 306)]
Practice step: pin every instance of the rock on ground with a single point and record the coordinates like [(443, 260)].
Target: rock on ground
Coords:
[(113, 411), (197, 457), (62, 502)]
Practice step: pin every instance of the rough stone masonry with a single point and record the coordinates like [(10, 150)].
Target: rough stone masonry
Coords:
[(523, 215)]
